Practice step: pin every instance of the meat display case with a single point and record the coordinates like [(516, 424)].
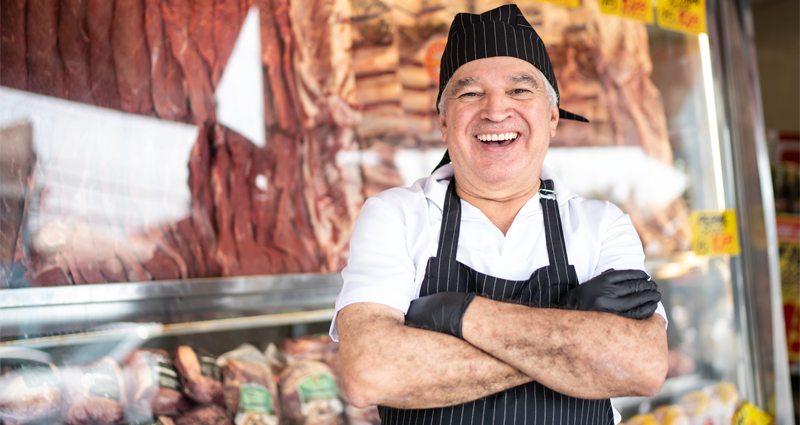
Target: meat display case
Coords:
[(208, 197)]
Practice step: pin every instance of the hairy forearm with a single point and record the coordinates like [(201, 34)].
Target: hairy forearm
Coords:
[(584, 354), (387, 363)]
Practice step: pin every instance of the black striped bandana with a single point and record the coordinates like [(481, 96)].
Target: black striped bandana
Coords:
[(499, 32)]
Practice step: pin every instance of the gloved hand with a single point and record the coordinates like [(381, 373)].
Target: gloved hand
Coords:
[(440, 312), (627, 293)]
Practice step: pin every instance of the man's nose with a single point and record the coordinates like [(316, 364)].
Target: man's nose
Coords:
[(496, 107)]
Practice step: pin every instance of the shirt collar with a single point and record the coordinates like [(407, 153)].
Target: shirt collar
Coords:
[(435, 188)]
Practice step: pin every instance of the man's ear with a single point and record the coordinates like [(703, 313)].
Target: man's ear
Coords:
[(443, 127), (553, 121)]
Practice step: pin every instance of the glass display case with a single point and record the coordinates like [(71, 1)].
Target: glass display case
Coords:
[(187, 174)]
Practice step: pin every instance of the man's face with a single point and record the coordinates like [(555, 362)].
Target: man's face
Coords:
[(497, 122)]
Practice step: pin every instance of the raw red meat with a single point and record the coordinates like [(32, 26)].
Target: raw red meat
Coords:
[(281, 12), (204, 415), (201, 378), (100, 14), (153, 384), (13, 62), (45, 68), (226, 245), (203, 201), (226, 30), (16, 162), (169, 93), (73, 43), (95, 393), (271, 58), (201, 29), (131, 57), (256, 379), (29, 392), (198, 76)]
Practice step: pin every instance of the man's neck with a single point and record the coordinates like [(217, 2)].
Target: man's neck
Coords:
[(500, 210)]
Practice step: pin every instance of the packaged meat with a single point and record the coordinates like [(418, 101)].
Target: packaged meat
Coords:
[(95, 393), (323, 348), (152, 420), (30, 387), (201, 378), (309, 395), (204, 415), (249, 387), (153, 384)]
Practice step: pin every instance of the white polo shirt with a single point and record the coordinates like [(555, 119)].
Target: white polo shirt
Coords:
[(398, 230)]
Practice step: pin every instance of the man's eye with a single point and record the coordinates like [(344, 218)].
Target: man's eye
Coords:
[(470, 94), (521, 91)]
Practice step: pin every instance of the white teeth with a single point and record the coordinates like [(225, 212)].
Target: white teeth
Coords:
[(497, 137)]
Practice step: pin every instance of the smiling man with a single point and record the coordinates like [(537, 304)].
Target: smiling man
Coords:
[(487, 292)]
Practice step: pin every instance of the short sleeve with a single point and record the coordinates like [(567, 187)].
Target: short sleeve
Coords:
[(621, 249), (380, 269)]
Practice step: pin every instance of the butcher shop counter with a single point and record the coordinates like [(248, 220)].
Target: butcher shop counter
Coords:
[(78, 315)]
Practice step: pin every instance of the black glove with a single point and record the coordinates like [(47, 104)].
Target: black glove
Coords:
[(440, 312), (627, 293)]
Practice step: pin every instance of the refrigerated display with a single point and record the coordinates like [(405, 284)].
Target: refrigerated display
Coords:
[(142, 208)]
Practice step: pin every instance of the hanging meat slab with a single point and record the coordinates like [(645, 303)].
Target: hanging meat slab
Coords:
[(131, 58), (73, 43), (272, 59), (45, 67), (203, 202), (201, 29), (169, 93), (100, 15), (226, 30), (176, 15), (13, 45), (16, 162)]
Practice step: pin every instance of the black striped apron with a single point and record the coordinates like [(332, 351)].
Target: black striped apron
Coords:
[(530, 403)]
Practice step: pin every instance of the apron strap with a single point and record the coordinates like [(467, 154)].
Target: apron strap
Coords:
[(556, 248), (451, 223)]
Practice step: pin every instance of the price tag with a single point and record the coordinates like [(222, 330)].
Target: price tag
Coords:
[(568, 3), (682, 15), (640, 10), (714, 232)]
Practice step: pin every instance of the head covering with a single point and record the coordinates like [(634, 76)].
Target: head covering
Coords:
[(499, 32)]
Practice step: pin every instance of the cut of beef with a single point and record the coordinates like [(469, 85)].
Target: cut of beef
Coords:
[(204, 415), (45, 68), (16, 161), (169, 93), (29, 392), (226, 254), (95, 393), (198, 76), (73, 43), (203, 201), (201, 29), (13, 62), (131, 58), (226, 30), (153, 384), (201, 378), (272, 59), (100, 14)]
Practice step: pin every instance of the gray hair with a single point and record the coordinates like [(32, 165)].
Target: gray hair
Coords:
[(551, 93)]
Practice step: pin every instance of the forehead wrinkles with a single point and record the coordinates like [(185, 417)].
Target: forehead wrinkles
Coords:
[(521, 78)]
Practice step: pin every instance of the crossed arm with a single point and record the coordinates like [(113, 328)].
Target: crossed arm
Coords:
[(579, 353)]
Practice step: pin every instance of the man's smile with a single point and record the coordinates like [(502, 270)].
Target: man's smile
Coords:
[(498, 139)]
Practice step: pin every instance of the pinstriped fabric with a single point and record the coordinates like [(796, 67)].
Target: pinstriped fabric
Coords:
[(531, 403)]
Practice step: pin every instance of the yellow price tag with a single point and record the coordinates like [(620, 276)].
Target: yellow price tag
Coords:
[(714, 232), (640, 10), (682, 15), (568, 3), (749, 414)]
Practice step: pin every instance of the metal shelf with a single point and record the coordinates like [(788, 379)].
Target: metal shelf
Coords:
[(55, 314)]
